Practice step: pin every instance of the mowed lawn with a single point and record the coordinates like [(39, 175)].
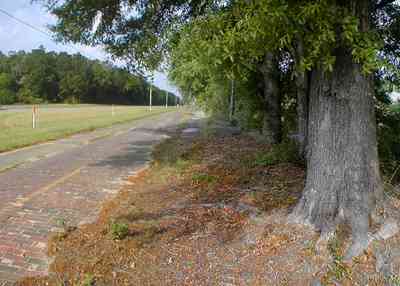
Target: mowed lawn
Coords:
[(57, 121)]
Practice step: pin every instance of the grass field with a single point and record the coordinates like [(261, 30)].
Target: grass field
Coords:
[(396, 107), (57, 121)]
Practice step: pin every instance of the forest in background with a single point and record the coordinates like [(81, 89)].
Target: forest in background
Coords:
[(50, 77)]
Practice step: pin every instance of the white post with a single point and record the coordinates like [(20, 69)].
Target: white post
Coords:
[(166, 99), (33, 116)]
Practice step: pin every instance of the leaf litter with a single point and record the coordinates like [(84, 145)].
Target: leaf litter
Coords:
[(205, 213)]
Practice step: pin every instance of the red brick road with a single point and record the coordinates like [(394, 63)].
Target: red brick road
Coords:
[(37, 198)]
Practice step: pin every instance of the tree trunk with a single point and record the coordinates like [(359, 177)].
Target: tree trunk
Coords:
[(232, 101), (272, 125), (302, 83), (302, 87), (343, 181)]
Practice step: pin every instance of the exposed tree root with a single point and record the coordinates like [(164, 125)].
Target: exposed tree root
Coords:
[(361, 239)]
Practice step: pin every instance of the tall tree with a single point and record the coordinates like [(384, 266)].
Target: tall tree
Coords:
[(343, 181), (272, 125), (7, 89)]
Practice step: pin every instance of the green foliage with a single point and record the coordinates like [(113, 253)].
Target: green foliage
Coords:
[(88, 280), (388, 137), (119, 230), (7, 93), (394, 280), (26, 95), (249, 113), (73, 87), (388, 128), (203, 178), (51, 77), (208, 51), (338, 270), (281, 153), (7, 97), (134, 31)]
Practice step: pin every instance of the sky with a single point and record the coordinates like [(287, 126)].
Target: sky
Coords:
[(395, 96), (16, 36)]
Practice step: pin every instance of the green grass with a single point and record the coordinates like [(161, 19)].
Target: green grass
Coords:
[(58, 121)]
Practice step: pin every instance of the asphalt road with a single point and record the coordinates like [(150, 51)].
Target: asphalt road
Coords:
[(65, 182)]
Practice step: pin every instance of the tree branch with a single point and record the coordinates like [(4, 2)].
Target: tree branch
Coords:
[(383, 3)]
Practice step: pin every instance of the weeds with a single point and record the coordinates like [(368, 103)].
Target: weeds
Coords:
[(338, 270), (394, 280), (334, 246), (281, 153), (310, 248), (61, 222), (88, 280), (182, 164), (203, 178), (119, 230)]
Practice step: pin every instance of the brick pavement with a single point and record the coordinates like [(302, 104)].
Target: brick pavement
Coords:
[(66, 189)]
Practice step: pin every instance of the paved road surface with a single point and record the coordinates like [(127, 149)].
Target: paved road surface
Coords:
[(66, 180)]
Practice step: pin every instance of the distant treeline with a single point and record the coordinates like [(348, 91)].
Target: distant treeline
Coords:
[(50, 77)]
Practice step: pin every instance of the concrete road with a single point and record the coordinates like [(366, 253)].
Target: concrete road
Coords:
[(66, 182)]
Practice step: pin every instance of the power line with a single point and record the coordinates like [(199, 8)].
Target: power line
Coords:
[(24, 23), (34, 28)]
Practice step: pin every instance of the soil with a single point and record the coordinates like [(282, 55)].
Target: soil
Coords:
[(207, 212)]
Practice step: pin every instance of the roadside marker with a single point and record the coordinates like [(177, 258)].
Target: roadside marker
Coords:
[(34, 114)]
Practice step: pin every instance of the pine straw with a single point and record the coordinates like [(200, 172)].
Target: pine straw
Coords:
[(203, 214)]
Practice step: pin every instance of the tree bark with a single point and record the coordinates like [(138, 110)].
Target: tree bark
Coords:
[(232, 101), (272, 125), (302, 82), (343, 182), (302, 87)]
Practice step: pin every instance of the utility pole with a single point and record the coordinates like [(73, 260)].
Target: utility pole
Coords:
[(166, 99), (151, 92)]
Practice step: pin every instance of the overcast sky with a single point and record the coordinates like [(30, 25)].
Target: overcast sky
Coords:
[(16, 36)]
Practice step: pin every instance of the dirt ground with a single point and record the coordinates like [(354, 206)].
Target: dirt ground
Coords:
[(211, 210)]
